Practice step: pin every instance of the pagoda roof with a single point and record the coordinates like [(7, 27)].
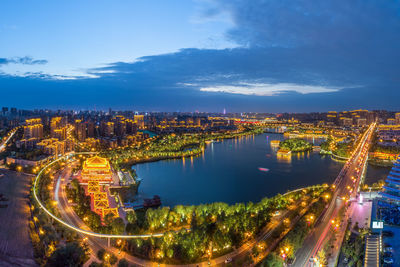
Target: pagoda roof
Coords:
[(96, 162)]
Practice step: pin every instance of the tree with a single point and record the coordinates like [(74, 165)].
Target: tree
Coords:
[(118, 226), (273, 260), (131, 216), (69, 255), (123, 263), (100, 254)]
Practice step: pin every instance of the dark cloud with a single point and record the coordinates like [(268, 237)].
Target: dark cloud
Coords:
[(22, 60), (348, 45), (293, 23)]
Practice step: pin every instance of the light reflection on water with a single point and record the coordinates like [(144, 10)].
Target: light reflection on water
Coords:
[(228, 171)]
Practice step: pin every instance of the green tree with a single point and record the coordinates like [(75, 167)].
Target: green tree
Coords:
[(72, 254), (131, 216), (123, 263), (118, 226)]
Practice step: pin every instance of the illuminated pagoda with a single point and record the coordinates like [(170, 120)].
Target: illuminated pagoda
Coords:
[(391, 190), (96, 169)]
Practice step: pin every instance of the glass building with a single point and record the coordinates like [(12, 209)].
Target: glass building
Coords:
[(391, 191)]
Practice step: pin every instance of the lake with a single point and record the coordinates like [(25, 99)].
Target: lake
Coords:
[(228, 171)]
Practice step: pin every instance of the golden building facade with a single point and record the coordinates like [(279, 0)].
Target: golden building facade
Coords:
[(97, 169)]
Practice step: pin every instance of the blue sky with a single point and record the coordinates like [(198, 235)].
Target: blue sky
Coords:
[(206, 55)]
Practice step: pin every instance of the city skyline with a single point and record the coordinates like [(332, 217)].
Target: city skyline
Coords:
[(201, 55)]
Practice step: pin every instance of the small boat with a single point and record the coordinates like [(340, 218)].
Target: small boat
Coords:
[(263, 169)]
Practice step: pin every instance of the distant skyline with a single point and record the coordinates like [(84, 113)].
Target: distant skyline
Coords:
[(205, 55)]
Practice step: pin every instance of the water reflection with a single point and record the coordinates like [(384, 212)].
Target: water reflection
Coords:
[(284, 159), (229, 171)]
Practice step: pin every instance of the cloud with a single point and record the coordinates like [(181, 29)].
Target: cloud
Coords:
[(22, 60), (263, 89), (293, 55), (294, 23)]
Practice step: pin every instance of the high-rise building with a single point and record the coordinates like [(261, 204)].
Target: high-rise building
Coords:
[(332, 117), (120, 126), (131, 127), (107, 128), (346, 121), (33, 128), (13, 111), (397, 117), (60, 133), (391, 121), (90, 129), (80, 130), (4, 111), (361, 122), (139, 120)]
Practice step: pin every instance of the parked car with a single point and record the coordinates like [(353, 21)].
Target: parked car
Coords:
[(388, 257), (388, 248)]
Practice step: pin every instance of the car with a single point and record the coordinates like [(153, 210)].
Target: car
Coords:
[(277, 213), (228, 260), (388, 248), (387, 233), (388, 260)]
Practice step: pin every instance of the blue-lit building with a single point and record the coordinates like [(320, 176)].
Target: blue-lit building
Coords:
[(391, 190)]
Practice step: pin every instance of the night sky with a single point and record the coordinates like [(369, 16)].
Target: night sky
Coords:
[(201, 55)]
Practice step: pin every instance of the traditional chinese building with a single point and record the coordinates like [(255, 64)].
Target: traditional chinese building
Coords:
[(96, 169)]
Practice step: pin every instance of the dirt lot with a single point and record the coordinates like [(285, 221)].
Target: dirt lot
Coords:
[(15, 244)]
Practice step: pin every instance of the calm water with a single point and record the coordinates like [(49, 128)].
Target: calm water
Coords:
[(228, 171), (374, 174)]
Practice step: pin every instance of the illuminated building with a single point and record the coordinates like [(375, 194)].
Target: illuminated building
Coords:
[(397, 118), (107, 129), (131, 127), (391, 191), (361, 122), (284, 152), (53, 146), (139, 120), (33, 129), (120, 126), (60, 133), (391, 121), (80, 130), (96, 169), (346, 121), (55, 123), (90, 129)]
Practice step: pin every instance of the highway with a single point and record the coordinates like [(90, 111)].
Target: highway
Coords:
[(345, 188), (10, 135)]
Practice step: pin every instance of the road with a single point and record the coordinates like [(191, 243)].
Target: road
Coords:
[(345, 187), (10, 135), (96, 243)]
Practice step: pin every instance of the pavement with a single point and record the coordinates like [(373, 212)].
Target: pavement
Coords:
[(15, 244)]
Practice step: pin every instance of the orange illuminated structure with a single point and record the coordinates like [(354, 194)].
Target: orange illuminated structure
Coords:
[(113, 211), (100, 196), (93, 187), (101, 203), (284, 152), (97, 169)]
